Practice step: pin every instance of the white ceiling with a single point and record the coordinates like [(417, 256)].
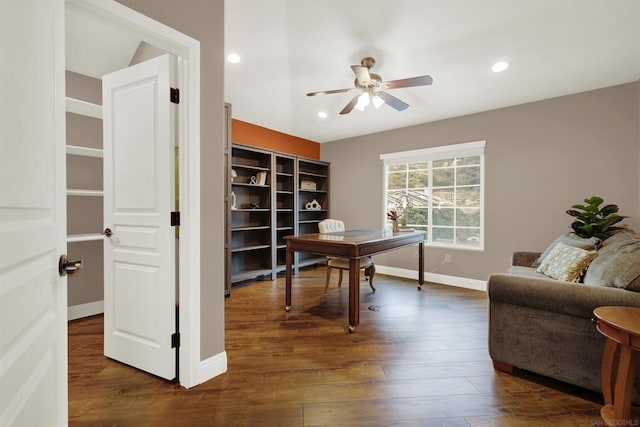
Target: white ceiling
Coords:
[(291, 47), (95, 49)]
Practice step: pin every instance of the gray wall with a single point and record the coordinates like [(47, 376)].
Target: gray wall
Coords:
[(540, 158), (204, 20)]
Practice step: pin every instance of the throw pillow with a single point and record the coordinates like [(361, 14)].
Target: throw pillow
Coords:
[(570, 239), (618, 263), (566, 262)]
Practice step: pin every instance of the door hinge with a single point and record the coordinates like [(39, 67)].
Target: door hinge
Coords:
[(175, 219), (175, 95), (175, 340)]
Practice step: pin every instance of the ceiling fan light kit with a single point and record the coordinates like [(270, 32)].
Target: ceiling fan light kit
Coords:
[(363, 102), (373, 88), (366, 98), (377, 101)]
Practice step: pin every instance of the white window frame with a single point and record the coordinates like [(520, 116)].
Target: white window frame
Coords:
[(467, 149)]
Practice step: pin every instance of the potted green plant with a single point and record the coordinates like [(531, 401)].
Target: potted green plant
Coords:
[(591, 220)]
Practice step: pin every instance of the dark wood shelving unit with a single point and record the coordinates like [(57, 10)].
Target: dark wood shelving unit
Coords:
[(317, 173), (250, 211), (260, 216), (284, 215)]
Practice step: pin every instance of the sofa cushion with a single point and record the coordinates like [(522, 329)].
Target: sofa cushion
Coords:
[(566, 262), (618, 263), (525, 271), (570, 239), (524, 258), (575, 299)]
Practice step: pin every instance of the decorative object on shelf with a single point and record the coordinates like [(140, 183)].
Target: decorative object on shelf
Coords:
[(306, 184), (593, 221), (313, 205), (233, 200), (251, 206), (234, 174), (259, 179)]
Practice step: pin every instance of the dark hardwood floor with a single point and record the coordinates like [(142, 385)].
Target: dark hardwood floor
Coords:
[(418, 358)]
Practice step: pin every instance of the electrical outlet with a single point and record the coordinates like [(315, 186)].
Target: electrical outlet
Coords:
[(447, 258)]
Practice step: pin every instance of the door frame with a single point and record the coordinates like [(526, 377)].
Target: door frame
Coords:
[(188, 51)]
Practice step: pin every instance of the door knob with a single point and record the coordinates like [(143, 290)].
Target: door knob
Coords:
[(68, 266), (107, 232)]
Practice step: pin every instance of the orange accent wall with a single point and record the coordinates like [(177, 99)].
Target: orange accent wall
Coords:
[(258, 136)]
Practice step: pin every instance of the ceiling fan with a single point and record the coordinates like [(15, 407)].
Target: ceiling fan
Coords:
[(373, 88)]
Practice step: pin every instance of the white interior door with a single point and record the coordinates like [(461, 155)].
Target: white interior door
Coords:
[(33, 297), (139, 285)]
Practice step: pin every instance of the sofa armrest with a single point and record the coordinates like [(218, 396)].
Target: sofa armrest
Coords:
[(575, 299), (524, 258)]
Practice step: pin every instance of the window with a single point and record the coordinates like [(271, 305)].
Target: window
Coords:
[(439, 190)]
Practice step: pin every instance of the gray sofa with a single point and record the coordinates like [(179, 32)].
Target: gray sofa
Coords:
[(546, 326)]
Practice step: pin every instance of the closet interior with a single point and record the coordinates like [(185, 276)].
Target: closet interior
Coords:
[(84, 193)]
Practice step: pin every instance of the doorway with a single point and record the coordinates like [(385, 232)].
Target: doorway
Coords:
[(150, 36)]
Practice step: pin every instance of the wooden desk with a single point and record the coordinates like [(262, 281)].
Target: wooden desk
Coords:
[(353, 245), (621, 326)]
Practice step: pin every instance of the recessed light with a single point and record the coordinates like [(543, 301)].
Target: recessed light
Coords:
[(233, 58), (322, 115), (499, 67)]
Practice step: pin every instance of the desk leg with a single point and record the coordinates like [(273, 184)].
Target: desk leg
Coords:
[(420, 265), (624, 383), (354, 293), (287, 287), (610, 354)]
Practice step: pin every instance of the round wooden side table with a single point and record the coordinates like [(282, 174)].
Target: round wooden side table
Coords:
[(621, 326)]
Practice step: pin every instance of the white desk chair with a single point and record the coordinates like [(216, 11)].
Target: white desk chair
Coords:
[(333, 226)]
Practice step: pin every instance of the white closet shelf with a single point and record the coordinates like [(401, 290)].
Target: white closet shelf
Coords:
[(84, 237), (90, 193), (84, 151), (84, 108)]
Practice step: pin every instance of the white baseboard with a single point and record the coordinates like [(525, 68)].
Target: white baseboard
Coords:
[(443, 279), (212, 367), (85, 310)]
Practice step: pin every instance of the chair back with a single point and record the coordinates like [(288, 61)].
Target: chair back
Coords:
[(330, 226)]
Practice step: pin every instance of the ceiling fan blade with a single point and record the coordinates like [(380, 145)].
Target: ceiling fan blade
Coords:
[(347, 109), (393, 101), (328, 92), (362, 74), (412, 81)]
